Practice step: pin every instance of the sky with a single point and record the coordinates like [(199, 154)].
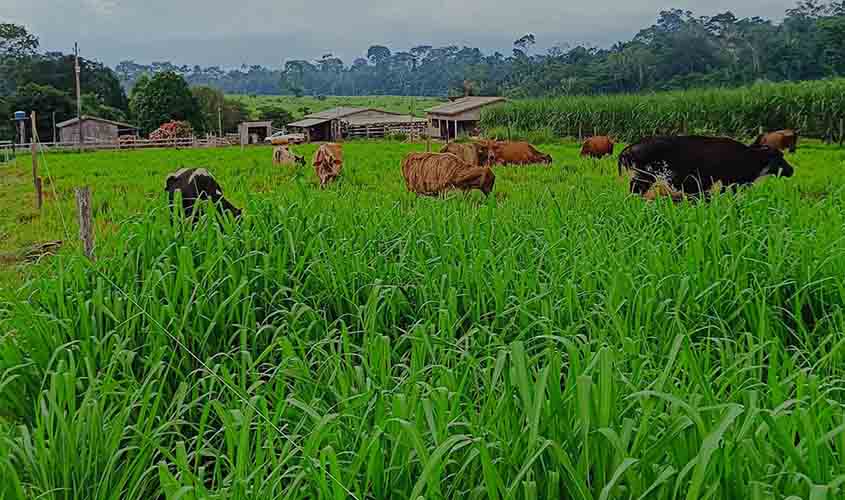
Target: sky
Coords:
[(268, 32)]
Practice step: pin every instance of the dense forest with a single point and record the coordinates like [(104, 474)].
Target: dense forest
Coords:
[(679, 51)]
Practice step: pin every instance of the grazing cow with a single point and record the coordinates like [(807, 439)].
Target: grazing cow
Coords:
[(475, 153), (782, 140), (516, 153), (197, 184), (693, 164), (597, 147), (431, 174), (284, 156), (328, 162)]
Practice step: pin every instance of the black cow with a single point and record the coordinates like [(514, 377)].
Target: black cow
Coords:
[(693, 164), (197, 184)]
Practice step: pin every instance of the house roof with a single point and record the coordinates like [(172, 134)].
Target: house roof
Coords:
[(463, 104), (308, 122), (343, 112), (96, 119)]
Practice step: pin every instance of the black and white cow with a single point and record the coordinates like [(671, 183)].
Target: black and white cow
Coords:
[(693, 164), (197, 184)]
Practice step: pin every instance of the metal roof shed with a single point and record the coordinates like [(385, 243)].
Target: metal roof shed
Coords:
[(461, 115)]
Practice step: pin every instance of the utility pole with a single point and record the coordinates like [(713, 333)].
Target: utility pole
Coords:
[(78, 95)]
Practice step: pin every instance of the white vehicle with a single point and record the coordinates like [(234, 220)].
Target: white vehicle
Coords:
[(283, 137)]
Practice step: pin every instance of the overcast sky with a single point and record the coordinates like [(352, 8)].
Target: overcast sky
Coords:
[(230, 33)]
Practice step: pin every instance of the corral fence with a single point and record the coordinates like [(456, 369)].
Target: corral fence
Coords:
[(9, 150), (378, 130), (7, 154)]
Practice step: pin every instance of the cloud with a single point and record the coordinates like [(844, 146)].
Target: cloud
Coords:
[(270, 31)]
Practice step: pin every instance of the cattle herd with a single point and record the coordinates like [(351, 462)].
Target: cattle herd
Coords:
[(686, 165)]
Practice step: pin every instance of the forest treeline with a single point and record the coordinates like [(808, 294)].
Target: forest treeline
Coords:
[(679, 51)]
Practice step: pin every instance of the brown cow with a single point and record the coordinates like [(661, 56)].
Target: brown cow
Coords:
[(284, 156), (431, 174), (328, 162), (597, 147), (781, 140), (475, 153), (516, 153)]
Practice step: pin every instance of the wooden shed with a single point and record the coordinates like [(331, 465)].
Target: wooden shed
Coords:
[(254, 132), (94, 130), (337, 123), (460, 116)]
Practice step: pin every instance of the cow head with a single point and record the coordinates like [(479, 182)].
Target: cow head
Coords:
[(773, 162), (299, 160), (485, 153), (481, 178)]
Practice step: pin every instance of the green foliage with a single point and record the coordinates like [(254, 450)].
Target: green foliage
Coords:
[(44, 100), (813, 107), (165, 97), (557, 340), (56, 70), (92, 106), (277, 114), (16, 44), (212, 102), (7, 128)]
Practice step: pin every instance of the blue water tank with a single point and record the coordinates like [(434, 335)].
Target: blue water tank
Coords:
[(20, 116)]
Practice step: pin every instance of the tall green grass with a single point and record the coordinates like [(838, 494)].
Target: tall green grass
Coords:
[(815, 108), (558, 340)]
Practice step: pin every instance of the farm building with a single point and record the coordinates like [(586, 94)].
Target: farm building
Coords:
[(94, 130), (460, 116), (254, 132), (337, 123)]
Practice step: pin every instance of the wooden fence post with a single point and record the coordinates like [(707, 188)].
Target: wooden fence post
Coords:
[(86, 228), (39, 196), (580, 132), (33, 148), (841, 131)]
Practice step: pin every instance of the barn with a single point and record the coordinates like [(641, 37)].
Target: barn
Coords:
[(459, 117), (337, 123), (94, 130)]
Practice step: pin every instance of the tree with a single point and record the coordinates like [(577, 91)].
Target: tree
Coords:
[(277, 114), (211, 102), (16, 44), (378, 54), (44, 100), (56, 70), (234, 113), (164, 97), (833, 41)]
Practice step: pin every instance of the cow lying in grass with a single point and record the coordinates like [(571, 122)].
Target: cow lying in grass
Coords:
[(515, 153), (693, 164), (328, 162), (432, 174), (197, 184)]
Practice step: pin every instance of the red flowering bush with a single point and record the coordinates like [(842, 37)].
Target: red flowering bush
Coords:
[(172, 130)]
